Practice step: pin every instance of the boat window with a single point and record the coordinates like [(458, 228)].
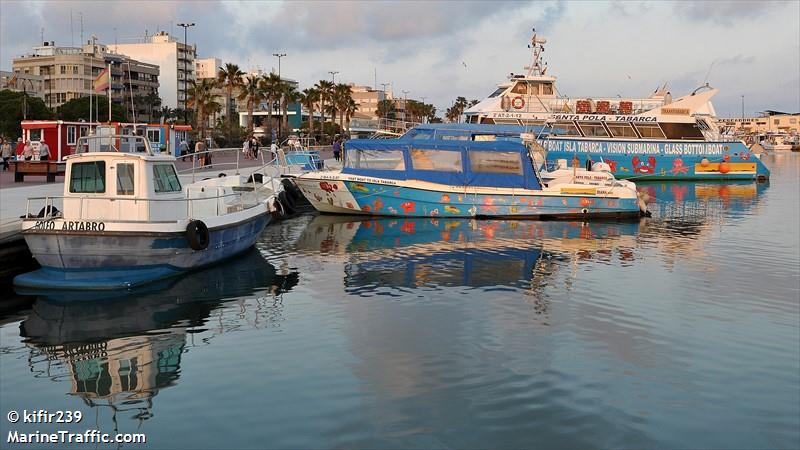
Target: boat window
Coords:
[(622, 130), (88, 178), (593, 129), (165, 179), (547, 89), (565, 129), (421, 135), (520, 89), (124, 179), (484, 137), (687, 131), (497, 92), (439, 160), (450, 137), (35, 135), (375, 159), (495, 162), (649, 131)]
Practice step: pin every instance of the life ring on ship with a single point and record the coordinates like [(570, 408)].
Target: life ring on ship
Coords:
[(518, 102), (197, 235)]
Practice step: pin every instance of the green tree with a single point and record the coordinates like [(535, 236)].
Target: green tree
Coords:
[(271, 88), (309, 98), (11, 104), (385, 109), (288, 95), (325, 89), (252, 93), (78, 109), (201, 99), (230, 77)]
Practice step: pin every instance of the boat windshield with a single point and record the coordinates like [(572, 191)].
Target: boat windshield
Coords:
[(113, 143), (497, 92)]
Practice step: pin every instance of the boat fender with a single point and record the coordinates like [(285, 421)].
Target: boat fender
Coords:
[(48, 211), (197, 235), (291, 189), (585, 211), (286, 203), (221, 175), (518, 102)]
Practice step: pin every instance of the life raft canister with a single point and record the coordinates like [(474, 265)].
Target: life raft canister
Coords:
[(518, 102)]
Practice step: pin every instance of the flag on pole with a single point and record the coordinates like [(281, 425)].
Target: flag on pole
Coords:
[(101, 83)]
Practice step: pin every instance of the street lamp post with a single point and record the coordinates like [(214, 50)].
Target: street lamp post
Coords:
[(405, 105), (280, 121), (742, 109), (185, 77), (333, 75)]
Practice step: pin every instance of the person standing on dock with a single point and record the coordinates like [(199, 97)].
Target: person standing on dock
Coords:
[(6, 152), (44, 151), (337, 149), (27, 151)]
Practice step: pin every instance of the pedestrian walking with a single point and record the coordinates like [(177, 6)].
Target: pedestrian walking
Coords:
[(184, 147), (246, 148), (20, 147), (6, 152), (199, 149)]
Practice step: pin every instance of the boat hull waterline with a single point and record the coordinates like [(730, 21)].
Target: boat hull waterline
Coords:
[(348, 196), (123, 259)]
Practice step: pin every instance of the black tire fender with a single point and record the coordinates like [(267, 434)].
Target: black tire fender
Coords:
[(197, 234), (287, 203), (292, 189), (48, 211)]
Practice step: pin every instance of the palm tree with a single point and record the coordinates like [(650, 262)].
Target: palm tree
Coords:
[(309, 98), (152, 99), (385, 109), (289, 95), (230, 76), (325, 89), (251, 91), (270, 85), (460, 105), (342, 94), (349, 109), (201, 99)]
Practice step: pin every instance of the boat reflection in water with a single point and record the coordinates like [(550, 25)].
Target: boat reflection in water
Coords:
[(119, 352), (460, 252)]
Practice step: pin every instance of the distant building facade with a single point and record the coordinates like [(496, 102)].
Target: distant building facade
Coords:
[(261, 111), (367, 100), (207, 67), (769, 122), (66, 73), (175, 60), (31, 84)]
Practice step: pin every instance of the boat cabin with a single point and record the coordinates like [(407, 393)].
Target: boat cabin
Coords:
[(455, 163), (120, 178)]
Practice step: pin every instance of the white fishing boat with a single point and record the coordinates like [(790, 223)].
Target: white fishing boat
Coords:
[(125, 219)]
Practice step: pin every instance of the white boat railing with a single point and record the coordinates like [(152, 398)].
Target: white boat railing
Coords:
[(50, 209)]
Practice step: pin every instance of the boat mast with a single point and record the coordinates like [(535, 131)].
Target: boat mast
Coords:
[(536, 68)]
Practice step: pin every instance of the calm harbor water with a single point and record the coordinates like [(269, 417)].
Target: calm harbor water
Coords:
[(681, 331)]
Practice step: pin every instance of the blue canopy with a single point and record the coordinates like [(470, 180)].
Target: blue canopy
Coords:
[(450, 162)]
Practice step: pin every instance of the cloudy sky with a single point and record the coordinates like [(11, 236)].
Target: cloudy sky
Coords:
[(440, 50)]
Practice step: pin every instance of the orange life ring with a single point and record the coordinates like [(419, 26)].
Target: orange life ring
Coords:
[(518, 102)]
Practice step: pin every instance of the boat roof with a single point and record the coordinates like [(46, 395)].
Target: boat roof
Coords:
[(460, 171)]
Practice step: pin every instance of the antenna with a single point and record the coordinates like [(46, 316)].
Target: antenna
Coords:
[(81, 14), (71, 31), (705, 81), (41, 36)]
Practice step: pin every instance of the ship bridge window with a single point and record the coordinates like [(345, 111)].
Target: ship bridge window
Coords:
[(375, 159), (165, 179), (520, 89), (565, 129), (622, 130), (497, 92), (484, 137), (649, 131), (88, 178), (593, 129), (438, 160), (686, 131), (547, 89), (508, 163)]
